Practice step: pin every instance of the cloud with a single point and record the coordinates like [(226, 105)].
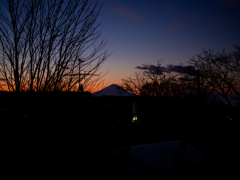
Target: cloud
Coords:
[(179, 19), (139, 67), (128, 13), (177, 25), (190, 70), (189, 22), (153, 69)]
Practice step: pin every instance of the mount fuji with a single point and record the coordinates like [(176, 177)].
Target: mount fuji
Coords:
[(113, 90)]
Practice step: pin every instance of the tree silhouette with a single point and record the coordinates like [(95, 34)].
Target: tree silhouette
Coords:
[(219, 72), (158, 81), (41, 42)]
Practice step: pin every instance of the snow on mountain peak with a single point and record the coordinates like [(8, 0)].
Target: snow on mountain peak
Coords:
[(113, 90)]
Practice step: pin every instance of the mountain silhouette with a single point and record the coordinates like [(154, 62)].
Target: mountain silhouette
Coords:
[(113, 90)]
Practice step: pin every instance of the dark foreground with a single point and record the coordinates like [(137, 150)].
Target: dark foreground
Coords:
[(70, 150)]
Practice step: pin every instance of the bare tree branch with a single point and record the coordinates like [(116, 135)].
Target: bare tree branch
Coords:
[(220, 72), (42, 40), (156, 81)]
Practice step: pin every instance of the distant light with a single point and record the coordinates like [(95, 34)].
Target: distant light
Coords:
[(134, 118)]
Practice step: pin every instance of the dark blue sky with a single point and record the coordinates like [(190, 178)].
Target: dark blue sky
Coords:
[(142, 31)]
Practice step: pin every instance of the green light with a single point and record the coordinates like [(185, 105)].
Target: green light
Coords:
[(134, 118)]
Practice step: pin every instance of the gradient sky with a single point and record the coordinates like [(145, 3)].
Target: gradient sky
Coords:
[(143, 31)]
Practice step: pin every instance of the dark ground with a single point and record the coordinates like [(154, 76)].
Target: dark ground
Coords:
[(68, 150), (58, 143)]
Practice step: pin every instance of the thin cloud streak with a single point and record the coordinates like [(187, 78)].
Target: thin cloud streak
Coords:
[(190, 70), (127, 13)]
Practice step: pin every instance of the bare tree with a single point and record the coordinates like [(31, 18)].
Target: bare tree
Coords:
[(50, 45), (156, 80), (220, 72)]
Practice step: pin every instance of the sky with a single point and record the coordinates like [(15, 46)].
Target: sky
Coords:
[(144, 31)]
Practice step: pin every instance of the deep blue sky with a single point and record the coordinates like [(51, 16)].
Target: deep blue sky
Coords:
[(142, 31)]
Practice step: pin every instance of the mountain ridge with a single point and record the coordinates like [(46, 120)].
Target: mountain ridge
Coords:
[(113, 90)]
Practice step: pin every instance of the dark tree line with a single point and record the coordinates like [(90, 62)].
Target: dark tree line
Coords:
[(156, 80), (209, 72), (220, 72)]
